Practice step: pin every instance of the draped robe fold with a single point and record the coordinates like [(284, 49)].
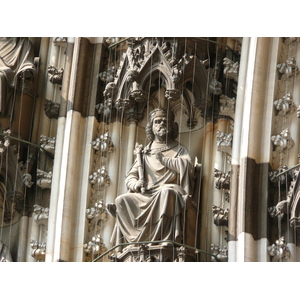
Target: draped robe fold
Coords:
[(156, 214)]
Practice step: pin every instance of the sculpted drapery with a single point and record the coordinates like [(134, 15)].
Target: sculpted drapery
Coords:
[(16, 57), (155, 214)]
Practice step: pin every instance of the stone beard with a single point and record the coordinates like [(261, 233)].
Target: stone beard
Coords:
[(155, 214)]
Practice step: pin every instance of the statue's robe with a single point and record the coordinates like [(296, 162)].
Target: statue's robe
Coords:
[(156, 214), (16, 57)]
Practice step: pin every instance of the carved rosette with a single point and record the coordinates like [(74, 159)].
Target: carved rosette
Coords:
[(279, 251), (220, 252), (224, 141), (220, 215), (44, 179)]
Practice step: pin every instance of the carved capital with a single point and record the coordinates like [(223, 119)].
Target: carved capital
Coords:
[(279, 251), (44, 179), (220, 215), (51, 109), (224, 141)]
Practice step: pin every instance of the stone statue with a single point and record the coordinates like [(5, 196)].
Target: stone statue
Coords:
[(5, 255), (16, 62), (159, 183)]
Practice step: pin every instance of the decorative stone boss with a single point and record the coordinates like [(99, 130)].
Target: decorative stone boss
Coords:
[(159, 183)]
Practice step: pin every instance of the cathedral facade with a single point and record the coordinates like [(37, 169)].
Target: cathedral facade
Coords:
[(75, 115)]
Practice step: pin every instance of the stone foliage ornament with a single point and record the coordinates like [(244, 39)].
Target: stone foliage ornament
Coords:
[(284, 105), (220, 252), (227, 106), (279, 251), (100, 178), (51, 109), (44, 179), (38, 249), (231, 69), (41, 214), (222, 180), (220, 215), (55, 75), (288, 68), (224, 141), (48, 143), (103, 143), (282, 142)]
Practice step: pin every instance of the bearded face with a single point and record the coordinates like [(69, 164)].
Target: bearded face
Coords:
[(160, 126)]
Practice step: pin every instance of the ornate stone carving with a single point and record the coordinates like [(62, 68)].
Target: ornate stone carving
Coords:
[(48, 143), (44, 179), (38, 250), (27, 180), (220, 215), (98, 211), (108, 75), (100, 178), (215, 87), (51, 109), (55, 75), (173, 94), (139, 96), (123, 104), (94, 246), (6, 143), (103, 143), (165, 157), (284, 105), (288, 68), (224, 141), (279, 251), (282, 142), (227, 106), (230, 69), (41, 214), (220, 252), (222, 180), (283, 178)]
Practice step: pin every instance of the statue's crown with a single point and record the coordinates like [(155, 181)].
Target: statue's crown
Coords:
[(160, 112)]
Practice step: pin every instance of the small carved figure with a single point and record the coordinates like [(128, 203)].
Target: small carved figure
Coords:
[(166, 182)]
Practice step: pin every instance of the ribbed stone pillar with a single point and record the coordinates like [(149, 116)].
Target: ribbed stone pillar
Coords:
[(251, 150)]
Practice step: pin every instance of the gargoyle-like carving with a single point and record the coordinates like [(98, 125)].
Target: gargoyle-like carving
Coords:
[(44, 179), (38, 250), (284, 105), (282, 142), (41, 214), (220, 252), (279, 251), (48, 143), (220, 215), (55, 75), (51, 109), (227, 106), (99, 211), (224, 141), (95, 245), (288, 68), (230, 69), (172, 94), (222, 180), (103, 143), (100, 177)]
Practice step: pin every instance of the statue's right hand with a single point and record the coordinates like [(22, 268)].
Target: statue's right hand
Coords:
[(138, 185)]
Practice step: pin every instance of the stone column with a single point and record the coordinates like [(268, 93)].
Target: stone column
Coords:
[(251, 150)]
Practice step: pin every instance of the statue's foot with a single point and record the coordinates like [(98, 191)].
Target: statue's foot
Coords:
[(112, 209)]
